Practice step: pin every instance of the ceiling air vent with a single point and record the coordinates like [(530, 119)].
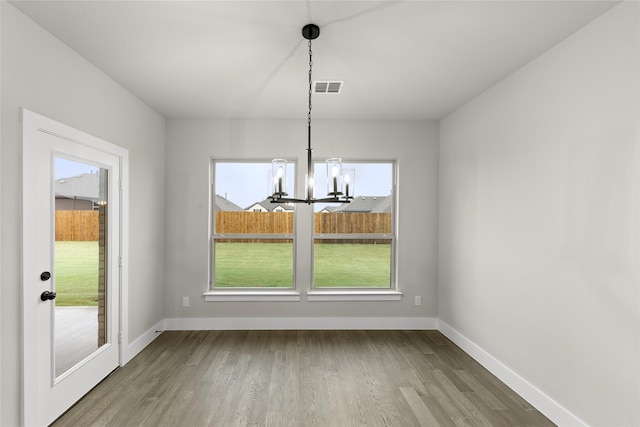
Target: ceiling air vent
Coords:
[(334, 87)]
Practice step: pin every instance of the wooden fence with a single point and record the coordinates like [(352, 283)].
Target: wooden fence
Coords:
[(282, 223), (77, 225), (351, 223), (254, 222), (83, 225)]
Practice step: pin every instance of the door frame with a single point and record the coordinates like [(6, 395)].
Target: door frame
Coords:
[(32, 124)]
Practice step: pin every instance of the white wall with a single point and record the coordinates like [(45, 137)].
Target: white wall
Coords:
[(45, 76), (190, 146), (538, 255)]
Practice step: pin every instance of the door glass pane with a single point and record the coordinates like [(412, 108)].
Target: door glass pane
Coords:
[(81, 212)]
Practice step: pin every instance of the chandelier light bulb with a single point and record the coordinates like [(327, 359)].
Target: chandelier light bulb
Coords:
[(348, 177), (279, 174)]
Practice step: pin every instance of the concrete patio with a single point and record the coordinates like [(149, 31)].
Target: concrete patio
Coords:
[(76, 335)]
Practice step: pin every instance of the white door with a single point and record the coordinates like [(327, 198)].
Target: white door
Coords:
[(71, 258)]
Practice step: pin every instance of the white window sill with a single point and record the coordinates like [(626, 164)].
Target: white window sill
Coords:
[(354, 295), (212, 296)]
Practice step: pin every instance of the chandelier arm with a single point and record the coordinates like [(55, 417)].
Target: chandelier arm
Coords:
[(275, 199)]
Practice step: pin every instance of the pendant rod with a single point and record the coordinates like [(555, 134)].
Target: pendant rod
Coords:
[(310, 32), (309, 182), (309, 167)]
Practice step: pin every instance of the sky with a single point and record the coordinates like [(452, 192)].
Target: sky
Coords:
[(65, 168), (248, 183)]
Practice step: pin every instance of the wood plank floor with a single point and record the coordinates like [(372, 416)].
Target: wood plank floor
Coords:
[(302, 378)]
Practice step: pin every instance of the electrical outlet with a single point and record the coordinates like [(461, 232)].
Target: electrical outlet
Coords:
[(418, 300), (185, 301)]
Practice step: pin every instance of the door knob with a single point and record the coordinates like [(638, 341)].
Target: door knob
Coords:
[(46, 295), (45, 275)]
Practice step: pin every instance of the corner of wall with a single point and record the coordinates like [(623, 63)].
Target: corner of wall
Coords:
[(129, 351), (536, 397)]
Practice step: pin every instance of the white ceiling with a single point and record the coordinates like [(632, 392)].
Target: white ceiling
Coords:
[(247, 59)]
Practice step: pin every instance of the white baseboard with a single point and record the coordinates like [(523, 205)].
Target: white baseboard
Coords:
[(130, 351), (276, 323), (543, 403)]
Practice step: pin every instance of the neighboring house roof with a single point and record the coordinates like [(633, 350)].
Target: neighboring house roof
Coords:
[(223, 204), (372, 204), (384, 206), (84, 187), (257, 205), (267, 205)]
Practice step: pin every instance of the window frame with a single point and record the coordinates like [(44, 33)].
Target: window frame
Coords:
[(344, 293), (254, 293), (303, 266)]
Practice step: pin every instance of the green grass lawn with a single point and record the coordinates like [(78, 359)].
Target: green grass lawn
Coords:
[(76, 273), (237, 265), (271, 265), (352, 265), (254, 265)]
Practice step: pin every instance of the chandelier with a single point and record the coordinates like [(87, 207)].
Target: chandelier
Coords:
[(340, 182)]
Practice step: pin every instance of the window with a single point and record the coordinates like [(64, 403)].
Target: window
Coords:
[(354, 243), (252, 242)]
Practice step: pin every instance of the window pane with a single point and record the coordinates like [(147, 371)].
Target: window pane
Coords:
[(242, 214), (353, 242), (245, 186), (352, 263), (262, 263), (372, 187)]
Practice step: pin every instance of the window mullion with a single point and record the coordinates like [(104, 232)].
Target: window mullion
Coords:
[(254, 236), (352, 236)]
